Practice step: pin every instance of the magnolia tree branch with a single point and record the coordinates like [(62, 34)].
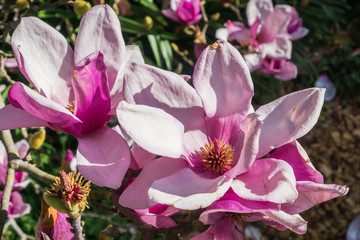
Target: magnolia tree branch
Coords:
[(10, 175), (21, 166), (77, 227)]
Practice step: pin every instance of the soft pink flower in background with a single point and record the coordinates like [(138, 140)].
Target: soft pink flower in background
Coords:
[(184, 11), (76, 91), (267, 40), (17, 207), (210, 139)]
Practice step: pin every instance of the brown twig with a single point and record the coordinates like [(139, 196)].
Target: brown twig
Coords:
[(21, 166)]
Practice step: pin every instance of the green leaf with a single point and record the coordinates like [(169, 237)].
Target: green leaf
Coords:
[(155, 49), (131, 26), (166, 52), (150, 5)]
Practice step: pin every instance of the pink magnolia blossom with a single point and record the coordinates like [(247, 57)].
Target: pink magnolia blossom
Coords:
[(184, 11), (22, 147), (210, 138), (230, 211), (267, 41), (17, 207), (76, 91)]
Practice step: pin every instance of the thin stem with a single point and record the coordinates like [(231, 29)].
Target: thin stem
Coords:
[(21, 166), (77, 227)]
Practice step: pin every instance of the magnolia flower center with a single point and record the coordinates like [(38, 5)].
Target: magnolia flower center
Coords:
[(217, 157), (72, 188)]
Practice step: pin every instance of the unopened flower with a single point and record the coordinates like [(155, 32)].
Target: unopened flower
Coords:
[(210, 138), (122, 7), (68, 194), (184, 11), (37, 139), (81, 6)]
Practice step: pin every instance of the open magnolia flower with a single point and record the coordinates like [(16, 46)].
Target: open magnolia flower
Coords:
[(267, 40), (76, 91), (210, 138), (226, 215)]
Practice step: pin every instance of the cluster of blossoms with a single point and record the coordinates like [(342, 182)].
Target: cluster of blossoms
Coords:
[(266, 42), (198, 147)]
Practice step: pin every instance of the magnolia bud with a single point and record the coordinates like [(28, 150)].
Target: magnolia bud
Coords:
[(215, 17), (80, 7), (37, 139), (148, 23), (21, 4)]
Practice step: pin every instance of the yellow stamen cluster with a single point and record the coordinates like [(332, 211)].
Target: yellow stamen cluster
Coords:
[(72, 188), (71, 107), (217, 157)]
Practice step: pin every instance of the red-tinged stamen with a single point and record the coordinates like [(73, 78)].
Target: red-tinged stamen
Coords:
[(217, 157), (72, 188)]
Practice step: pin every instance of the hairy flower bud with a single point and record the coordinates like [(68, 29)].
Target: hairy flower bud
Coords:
[(80, 7), (37, 139)]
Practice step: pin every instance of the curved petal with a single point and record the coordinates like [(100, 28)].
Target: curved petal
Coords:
[(311, 194), (168, 91), (133, 54), (231, 202), (299, 33), (135, 195), (288, 71), (22, 148), (295, 155), (267, 180), (258, 9), (250, 146), (253, 60), (293, 222), (187, 190), (279, 47), (100, 30), (171, 15), (141, 156), (152, 128), (12, 118), (45, 58), (289, 117), (223, 81), (103, 157), (57, 116), (17, 207), (92, 95)]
